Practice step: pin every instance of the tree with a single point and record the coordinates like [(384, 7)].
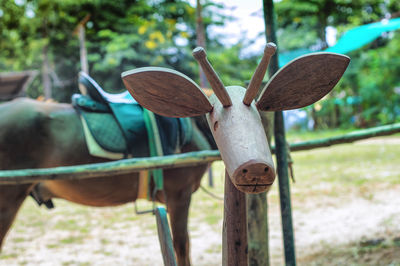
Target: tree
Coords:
[(370, 79), (120, 35), (316, 15)]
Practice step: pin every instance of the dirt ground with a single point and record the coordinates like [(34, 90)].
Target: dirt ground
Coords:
[(353, 229)]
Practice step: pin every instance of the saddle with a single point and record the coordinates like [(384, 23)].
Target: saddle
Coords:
[(116, 127), (119, 125)]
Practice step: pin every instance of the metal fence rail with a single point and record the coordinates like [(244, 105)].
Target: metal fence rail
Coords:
[(171, 161)]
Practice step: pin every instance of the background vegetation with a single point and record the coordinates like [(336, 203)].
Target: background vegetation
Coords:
[(123, 34)]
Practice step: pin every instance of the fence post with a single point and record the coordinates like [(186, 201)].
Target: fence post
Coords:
[(164, 236), (234, 235), (280, 147)]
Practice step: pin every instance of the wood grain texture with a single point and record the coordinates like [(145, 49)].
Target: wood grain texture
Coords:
[(234, 235), (259, 74), (164, 236), (215, 82), (303, 81), (166, 92), (241, 139), (257, 225)]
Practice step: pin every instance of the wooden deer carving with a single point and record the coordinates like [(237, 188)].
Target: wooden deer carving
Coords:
[(232, 113), (235, 123)]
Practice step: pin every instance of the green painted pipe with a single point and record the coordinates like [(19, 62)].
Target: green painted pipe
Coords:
[(170, 161)]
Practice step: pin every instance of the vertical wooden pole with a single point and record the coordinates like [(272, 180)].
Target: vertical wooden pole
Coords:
[(234, 237), (257, 213), (257, 222), (201, 41), (280, 146), (210, 176), (82, 46), (46, 73)]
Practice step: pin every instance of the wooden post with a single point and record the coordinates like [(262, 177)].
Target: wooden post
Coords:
[(80, 32), (46, 73), (234, 239), (257, 223), (280, 146), (257, 213), (82, 49), (164, 236), (201, 41)]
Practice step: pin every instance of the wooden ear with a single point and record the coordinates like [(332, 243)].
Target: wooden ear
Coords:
[(303, 81), (166, 92)]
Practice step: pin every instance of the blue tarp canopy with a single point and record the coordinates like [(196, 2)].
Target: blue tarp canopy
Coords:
[(350, 41)]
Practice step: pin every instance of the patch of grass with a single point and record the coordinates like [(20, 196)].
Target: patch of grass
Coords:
[(390, 221), (206, 207), (151, 227), (348, 165), (68, 263), (213, 219), (72, 240), (107, 253), (8, 256), (19, 239), (70, 224), (303, 135), (52, 246), (214, 249), (364, 253), (104, 241), (83, 230)]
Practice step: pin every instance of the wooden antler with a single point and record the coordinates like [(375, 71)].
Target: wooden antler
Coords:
[(216, 84), (258, 76)]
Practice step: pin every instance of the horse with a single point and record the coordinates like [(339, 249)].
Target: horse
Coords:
[(36, 134)]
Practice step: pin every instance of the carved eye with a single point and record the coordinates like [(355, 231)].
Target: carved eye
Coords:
[(215, 125)]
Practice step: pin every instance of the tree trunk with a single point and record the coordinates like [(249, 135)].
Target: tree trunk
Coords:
[(201, 41), (46, 74), (83, 52)]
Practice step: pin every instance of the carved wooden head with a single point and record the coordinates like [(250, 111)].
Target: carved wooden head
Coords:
[(232, 113)]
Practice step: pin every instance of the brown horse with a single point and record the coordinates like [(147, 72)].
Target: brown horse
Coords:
[(34, 134)]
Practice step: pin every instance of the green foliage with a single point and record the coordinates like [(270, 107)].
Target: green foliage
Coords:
[(368, 93), (378, 82), (233, 69), (120, 35), (312, 18)]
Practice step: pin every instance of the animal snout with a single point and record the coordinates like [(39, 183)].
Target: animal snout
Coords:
[(254, 177)]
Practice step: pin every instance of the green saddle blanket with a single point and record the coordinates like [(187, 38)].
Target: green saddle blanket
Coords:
[(121, 127)]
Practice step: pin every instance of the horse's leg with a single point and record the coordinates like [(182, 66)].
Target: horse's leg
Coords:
[(178, 209), (11, 199)]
